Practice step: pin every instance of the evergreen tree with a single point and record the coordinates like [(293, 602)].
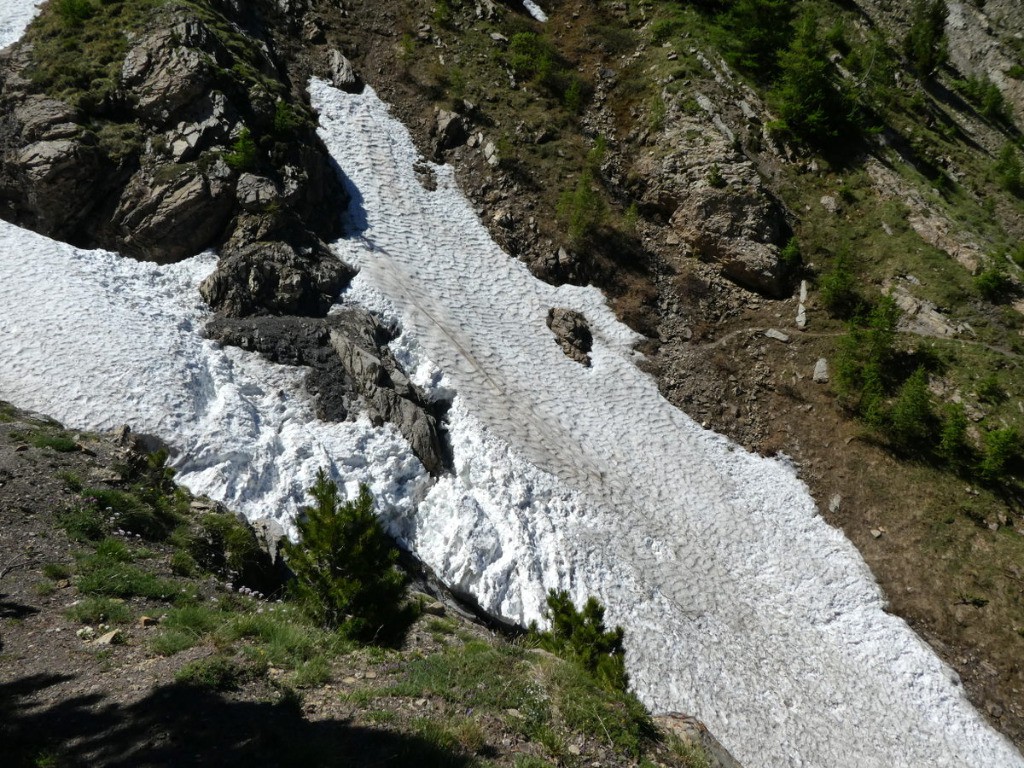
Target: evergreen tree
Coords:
[(911, 421), (758, 30), (925, 43), (810, 102), (344, 563), (582, 637)]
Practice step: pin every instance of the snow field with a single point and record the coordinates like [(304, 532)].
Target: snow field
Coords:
[(740, 604)]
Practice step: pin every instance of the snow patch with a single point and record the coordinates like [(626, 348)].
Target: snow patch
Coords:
[(15, 16), (741, 605)]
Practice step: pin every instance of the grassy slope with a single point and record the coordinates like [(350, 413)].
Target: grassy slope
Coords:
[(217, 669)]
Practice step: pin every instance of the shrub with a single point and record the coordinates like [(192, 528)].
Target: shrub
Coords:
[(911, 420), (581, 636), (581, 210), (1002, 448), (1008, 171), (986, 97), (344, 564), (792, 258), (223, 544), (838, 290), (245, 154), (953, 445), (993, 283), (75, 12), (811, 102), (757, 31), (925, 42)]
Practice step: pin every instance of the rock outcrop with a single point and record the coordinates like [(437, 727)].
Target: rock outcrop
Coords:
[(351, 371), (572, 332), (201, 134)]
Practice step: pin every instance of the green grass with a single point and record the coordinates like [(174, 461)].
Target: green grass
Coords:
[(97, 610), (83, 524), (217, 673), (58, 443)]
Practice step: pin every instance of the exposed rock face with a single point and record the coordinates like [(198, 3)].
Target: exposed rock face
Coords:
[(351, 371), (715, 202), (692, 731), (259, 276), (225, 140), (572, 333)]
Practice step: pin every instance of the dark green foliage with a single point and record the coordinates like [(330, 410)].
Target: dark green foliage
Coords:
[(244, 155), (344, 564), (83, 523), (1008, 171), (990, 391), (864, 359), (925, 43), (985, 96), (912, 423), (1002, 449), (791, 257), (287, 120), (581, 211), (838, 288), (756, 32), (993, 283), (221, 543), (530, 57), (581, 637), (75, 12), (59, 443), (953, 444), (811, 102)]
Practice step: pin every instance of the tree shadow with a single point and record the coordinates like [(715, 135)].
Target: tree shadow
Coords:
[(179, 725), (13, 610)]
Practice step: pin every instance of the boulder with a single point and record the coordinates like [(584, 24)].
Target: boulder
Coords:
[(171, 67), (166, 218), (572, 332), (449, 131), (351, 371), (273, 277), (741, 230), (343, 74)]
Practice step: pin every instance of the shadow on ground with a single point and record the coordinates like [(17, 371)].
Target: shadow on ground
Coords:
[(178, 725)]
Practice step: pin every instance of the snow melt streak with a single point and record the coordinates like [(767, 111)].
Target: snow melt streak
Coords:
[(741, 605)]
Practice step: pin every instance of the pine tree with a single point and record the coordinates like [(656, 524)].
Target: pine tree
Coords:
[(925, 43), (344, 563)]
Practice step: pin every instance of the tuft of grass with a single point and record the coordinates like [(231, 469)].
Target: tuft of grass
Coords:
[(59, 443), (217, 673), (82, 524), (97, 610), (56, 571)]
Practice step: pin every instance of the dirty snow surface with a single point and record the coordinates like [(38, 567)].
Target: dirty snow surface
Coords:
[(741, 606)]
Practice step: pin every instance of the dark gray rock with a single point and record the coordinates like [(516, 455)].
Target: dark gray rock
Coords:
[(272, 276), (572, 332), (165, 218), (351, 371)]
